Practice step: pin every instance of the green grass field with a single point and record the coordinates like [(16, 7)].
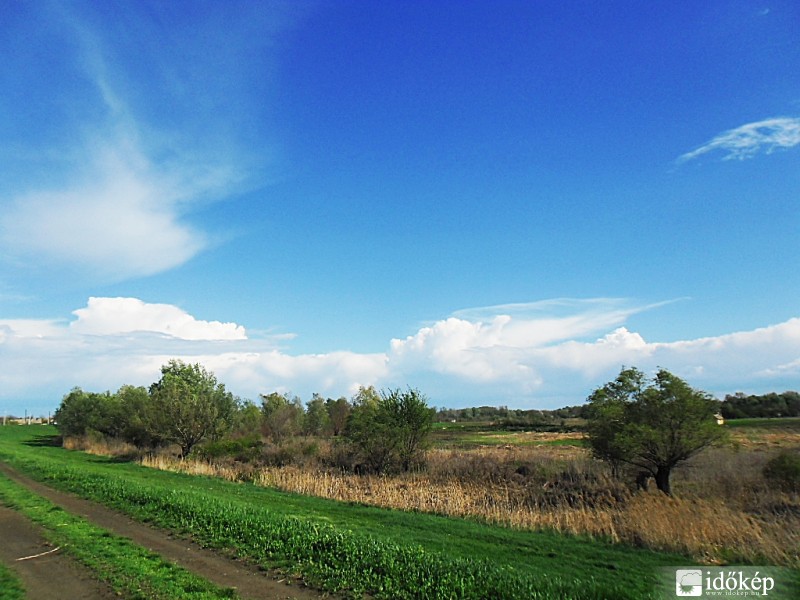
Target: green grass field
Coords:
[(349, 548), (789, 423), (477, 434)]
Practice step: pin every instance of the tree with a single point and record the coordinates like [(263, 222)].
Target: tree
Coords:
[(410, 420), (650, 425), (283, 417), (189, 406), (137, 406), (389, 430), (248, 419), (81, 413), (338, 413), (317, 420)]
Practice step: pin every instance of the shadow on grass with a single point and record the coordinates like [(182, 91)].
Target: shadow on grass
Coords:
[(50, 440), (54, 440)]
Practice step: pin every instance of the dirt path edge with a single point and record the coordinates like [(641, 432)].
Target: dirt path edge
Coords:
[(250, 581)]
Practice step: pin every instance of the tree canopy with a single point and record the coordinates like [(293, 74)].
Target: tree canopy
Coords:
[(190, 405), (651, 425)]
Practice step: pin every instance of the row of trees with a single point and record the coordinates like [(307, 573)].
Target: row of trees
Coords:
[(511, 418), (634, 423), (740, 406), (385, 430), (187, 406)]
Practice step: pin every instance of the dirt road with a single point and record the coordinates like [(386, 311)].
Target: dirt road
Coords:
[(250, 581), (54, 575)]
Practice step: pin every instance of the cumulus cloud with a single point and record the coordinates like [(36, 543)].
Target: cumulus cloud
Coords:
[(541, 355), (507, 340), (546, 374), (750, 139), (116, 341), (111, 316)]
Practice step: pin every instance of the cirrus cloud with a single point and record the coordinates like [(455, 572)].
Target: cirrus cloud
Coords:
[(750, 139), (110, 195)]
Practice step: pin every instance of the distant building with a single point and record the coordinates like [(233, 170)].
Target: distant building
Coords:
[(720, 419)]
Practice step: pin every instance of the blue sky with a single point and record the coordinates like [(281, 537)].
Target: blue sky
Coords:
[(495, 202)]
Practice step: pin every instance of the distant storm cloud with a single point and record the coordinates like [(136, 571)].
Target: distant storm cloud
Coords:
[(748, 140)]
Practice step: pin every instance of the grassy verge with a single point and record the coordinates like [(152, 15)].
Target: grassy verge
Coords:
[(132, 571), (353, 548), (10, 586)]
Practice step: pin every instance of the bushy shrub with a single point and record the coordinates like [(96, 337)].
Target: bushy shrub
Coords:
[(784, 471), (244, 449)]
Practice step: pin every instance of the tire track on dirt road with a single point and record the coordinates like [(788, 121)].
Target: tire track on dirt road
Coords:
[(250, 581)]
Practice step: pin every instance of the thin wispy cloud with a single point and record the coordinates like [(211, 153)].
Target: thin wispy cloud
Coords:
[(120, 220), (753, 138), (118, 208)]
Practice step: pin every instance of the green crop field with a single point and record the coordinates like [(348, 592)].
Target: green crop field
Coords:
[(352, 549)]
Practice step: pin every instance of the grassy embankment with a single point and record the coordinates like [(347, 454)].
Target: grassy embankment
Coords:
[(350, 548)]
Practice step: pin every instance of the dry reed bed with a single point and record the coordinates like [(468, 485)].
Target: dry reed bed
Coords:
[(461, 484)]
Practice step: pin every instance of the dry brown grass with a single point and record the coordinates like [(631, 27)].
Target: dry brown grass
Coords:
[(205, 468), (100, 446), (723, 510)]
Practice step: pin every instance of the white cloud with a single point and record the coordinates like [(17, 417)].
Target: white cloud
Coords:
[(113, 204), (111, 316), (534, 357), (122, 221), (508, 340), (750, 139)]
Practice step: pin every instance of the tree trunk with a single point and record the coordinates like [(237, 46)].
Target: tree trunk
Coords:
[(186, 448), (662, 480)]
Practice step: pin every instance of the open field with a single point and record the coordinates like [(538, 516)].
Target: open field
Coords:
[(476, 435), (538, 491), (351, 548), (787, 423)]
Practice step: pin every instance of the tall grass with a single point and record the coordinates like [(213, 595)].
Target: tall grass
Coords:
[(724, 510)]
